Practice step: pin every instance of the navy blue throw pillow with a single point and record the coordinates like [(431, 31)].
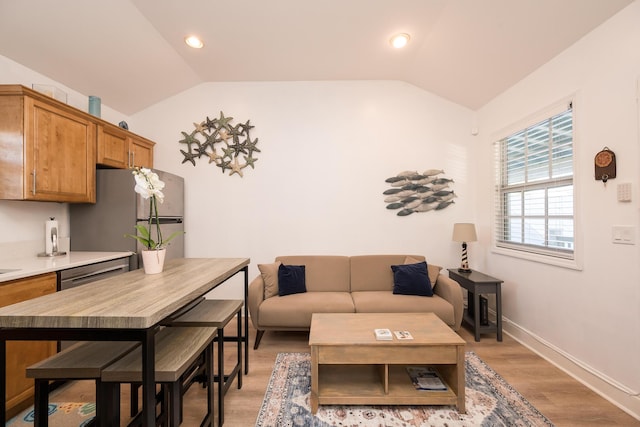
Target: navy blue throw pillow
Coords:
[(411, 279), (291, 280)]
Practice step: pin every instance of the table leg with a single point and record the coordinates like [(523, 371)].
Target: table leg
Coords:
[(460, 379), (476, 315), (499, 312), (108, 403), (148, 379), (239, 362), (41, 403), (221, 380), (209, 356), (246, 320), (314, 380), (3, 379)]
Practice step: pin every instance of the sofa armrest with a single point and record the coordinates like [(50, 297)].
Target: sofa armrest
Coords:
[(256, 296), (451, 291)]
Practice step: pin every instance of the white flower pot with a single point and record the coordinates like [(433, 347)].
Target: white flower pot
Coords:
[(153, 260)]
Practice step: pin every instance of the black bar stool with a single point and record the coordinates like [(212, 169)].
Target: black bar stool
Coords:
[(217, 313), (177, 349), (82, 361)]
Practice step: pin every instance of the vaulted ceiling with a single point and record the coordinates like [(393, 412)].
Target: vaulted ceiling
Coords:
[(132, 52)]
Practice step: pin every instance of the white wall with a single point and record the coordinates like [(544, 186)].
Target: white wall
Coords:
[(326, 150), (587, 320)]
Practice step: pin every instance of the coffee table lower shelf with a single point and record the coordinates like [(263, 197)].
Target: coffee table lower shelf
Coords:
[(377, 385), (350, 367)]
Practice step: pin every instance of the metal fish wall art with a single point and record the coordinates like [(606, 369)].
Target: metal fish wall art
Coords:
[(419, 192)]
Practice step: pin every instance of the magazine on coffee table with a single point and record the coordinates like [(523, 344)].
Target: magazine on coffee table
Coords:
[(425, 378)]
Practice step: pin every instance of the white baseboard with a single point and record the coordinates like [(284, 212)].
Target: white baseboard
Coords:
[(624, 398)]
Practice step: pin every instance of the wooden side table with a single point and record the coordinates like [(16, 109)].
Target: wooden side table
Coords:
[(477, 283)]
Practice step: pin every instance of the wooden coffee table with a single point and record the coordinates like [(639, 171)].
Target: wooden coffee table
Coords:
[(350, 367)]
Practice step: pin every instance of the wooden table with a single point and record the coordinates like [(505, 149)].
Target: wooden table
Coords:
[(127, 307), (350, 367)]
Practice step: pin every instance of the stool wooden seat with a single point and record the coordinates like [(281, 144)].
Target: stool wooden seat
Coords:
[(176, 350), (82, 361), (216, 313)]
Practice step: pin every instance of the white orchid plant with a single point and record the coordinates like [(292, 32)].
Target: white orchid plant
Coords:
[(149, 186)]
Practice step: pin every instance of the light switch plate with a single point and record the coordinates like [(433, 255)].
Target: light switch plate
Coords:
[(624, 235)]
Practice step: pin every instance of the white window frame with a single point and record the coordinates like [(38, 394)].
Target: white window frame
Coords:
[(538, 254)]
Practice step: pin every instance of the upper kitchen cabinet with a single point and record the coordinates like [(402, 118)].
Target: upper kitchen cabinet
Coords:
[(141, 150), (48, 148), (119, 148)]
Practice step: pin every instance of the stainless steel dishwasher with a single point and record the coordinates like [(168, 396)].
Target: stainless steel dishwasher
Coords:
[(78, 276)]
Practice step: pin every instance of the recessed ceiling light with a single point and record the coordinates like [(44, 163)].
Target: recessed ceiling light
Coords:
[(400, 40), (194, 42)]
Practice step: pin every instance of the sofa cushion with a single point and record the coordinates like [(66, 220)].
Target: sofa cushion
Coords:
[(294, 311), (291, 280), (411, 279), (269, 273), (324, 273), (386, 302), (373, 272), (433, 270)]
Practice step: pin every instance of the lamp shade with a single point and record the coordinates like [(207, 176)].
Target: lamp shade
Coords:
[(464, 232)]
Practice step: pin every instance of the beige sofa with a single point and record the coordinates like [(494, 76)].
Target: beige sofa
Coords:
[(342, 284)]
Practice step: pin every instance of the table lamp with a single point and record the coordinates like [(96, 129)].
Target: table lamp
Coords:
[(464, 232)]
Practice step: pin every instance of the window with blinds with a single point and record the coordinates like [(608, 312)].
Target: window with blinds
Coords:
[(534, 191)]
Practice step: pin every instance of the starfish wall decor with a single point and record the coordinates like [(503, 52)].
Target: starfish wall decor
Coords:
[(419, 192), (222, 142)]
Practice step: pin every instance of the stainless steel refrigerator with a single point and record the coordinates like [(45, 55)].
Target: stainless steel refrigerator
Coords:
[(118, 209)]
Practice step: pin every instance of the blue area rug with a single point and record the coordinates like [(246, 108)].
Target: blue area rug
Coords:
[(489, 399), (66, 414)]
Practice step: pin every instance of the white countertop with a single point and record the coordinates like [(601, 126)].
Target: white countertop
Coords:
[(33, 265)]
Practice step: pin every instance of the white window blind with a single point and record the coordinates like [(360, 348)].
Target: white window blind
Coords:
[(534, 188)]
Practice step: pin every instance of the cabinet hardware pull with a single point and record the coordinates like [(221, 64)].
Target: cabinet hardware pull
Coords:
[(33, 190)]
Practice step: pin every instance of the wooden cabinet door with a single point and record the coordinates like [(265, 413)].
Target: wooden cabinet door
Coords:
[(141, 152), (21, 354), (61, 153), (119, 148), (113, 147)]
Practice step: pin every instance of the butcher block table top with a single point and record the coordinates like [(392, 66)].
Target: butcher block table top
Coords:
[(133, 300)]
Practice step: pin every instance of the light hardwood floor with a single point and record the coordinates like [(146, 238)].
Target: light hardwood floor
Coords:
[(559, 397)]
